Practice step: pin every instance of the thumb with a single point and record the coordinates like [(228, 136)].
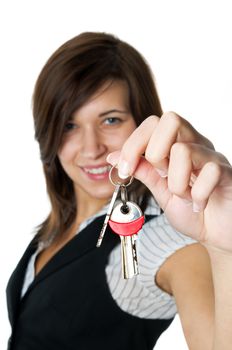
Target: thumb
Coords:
[(145, 173), (113, 158)]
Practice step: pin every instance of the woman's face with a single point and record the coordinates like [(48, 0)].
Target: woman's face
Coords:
[(99, 127)]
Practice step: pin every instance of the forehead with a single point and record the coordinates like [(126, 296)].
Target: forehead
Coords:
[(112, 94)]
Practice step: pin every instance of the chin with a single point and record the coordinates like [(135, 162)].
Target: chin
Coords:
[(97, 193), (102, 195)]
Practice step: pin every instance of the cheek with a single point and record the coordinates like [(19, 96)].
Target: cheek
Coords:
[(119, 137), (124, 134), (67, 151)]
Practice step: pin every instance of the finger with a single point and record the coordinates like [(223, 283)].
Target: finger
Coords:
[(146, 173), (205, 184), (135, 146), (154, 137), (180, 170), (171, 129), (186, 162), (113, 157)]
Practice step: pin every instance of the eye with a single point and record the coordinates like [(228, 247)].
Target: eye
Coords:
[(69, 126), (112, 121)]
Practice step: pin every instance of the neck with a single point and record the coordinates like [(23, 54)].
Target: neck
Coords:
[(86, 209), (87, 205)]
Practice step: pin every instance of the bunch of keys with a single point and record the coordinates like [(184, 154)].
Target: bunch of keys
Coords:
[(125, 219)]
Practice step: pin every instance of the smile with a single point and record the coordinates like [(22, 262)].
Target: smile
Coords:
[(97, 171)]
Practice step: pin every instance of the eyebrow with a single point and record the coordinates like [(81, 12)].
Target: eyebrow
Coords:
[(112, 111)]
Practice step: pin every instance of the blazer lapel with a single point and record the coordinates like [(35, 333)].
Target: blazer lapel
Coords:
[(76, 248), (14, 286)]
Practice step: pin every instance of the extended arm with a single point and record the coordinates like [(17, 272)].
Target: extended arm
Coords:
[(187, 276), (222, 277), (201, 283), (193, 185)]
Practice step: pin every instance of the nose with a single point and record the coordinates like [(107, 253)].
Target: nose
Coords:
[(93, 146)]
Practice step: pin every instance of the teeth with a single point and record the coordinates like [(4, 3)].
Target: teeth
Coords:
[(101, 170)]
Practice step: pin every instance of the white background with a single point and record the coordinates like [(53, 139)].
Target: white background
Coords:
[(187, 44)]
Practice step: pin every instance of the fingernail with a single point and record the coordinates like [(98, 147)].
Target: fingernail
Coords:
[(196, 208), (123, 169), (162, 173), (108, 158)]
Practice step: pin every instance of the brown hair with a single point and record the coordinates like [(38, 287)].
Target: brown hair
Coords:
[(72, 74)]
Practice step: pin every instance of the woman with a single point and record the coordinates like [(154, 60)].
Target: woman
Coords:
[(95, 102)]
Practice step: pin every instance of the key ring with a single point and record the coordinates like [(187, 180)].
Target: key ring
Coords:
[(121, 183), (124, 197), (124, 209)]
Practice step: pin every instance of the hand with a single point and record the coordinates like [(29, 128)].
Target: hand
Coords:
[(190, 180)]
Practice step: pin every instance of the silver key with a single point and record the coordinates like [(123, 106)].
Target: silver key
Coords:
[(108, 214), (117, 185), (122, 215)]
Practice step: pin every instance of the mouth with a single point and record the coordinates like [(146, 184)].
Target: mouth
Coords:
[(97, 173), (97, 170)]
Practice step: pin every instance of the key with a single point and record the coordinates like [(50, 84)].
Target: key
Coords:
[(118, 184), (126, 220), (108, 214)]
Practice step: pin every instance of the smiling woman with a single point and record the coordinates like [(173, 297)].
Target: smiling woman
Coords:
[(69, 96), (95, 102)]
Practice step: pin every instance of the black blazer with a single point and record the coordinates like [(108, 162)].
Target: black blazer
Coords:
[(69, 305)]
